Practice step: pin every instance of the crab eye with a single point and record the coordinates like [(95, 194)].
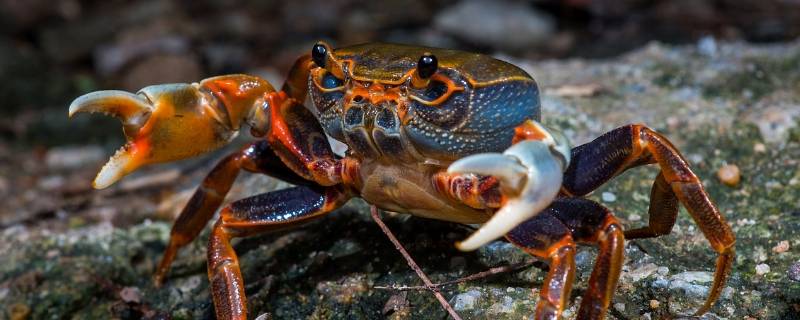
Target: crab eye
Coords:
[(427, 66), (435, 90), (319, 54), (329, 81)]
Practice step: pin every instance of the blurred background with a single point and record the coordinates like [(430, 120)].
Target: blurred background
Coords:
[(721, 78), (53, 51)]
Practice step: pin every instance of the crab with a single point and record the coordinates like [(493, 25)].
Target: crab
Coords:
[(435, 133)]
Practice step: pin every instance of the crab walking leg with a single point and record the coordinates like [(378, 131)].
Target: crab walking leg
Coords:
[(553, 234), (591, 223), (255, 157), (544, 236), (626, 147), (272, 211), (530, 173), (663, 211)]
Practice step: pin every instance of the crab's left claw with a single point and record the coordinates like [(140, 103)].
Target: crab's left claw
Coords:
[(530, 172), (173, 121)]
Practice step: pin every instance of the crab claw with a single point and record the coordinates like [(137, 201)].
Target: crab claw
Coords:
[(531, 171), (172, 121)]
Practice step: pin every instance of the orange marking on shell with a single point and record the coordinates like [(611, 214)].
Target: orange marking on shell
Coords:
[(451, 88)]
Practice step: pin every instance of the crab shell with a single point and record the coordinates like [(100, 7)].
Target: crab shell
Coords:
[(379, 111)]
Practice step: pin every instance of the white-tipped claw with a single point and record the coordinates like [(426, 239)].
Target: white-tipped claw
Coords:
[(131, 109), (540, 163), (117, 167)]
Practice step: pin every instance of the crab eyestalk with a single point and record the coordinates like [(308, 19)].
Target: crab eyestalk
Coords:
[(170, 122)]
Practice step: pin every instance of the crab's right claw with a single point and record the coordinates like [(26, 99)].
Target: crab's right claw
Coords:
[(173, 121), (530, 172)]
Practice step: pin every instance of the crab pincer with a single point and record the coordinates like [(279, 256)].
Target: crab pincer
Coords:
[(170, 122), (530, 173)]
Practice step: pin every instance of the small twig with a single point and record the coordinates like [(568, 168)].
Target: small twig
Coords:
[(475, 276), (412, 264)]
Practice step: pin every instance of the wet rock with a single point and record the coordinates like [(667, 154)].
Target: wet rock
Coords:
[(504, 25)]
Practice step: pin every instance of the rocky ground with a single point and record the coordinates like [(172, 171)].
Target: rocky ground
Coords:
[(71, 252)]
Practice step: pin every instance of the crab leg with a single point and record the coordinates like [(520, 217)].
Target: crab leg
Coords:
[(256, 157), (663, 211), (258, 214), (296, 85), (598, 161), (544, 236), (552, 235)]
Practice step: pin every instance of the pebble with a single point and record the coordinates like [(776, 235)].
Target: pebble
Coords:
[(396, 302), (781, 247), (642, 272), (729, 175), (762, 269), (130, 294), (759, 147), (619, 306), (794, 271), (264, 316), (608, 197), (694, 276), (506, 306), (466, 300), (634, 217), (654, 304), (18, 311)]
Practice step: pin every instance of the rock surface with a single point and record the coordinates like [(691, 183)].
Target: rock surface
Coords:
[(70, 252)]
